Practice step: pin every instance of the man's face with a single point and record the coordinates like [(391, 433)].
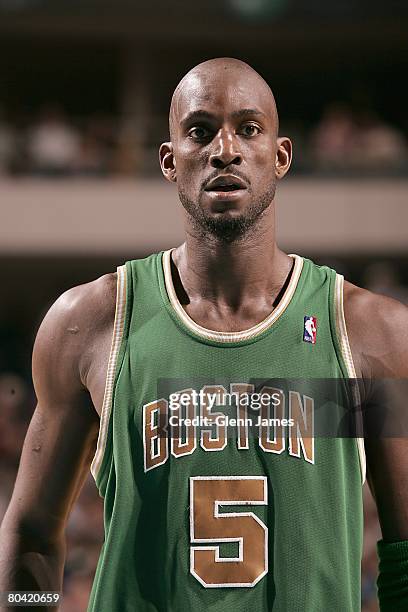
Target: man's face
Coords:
[(224, 146)]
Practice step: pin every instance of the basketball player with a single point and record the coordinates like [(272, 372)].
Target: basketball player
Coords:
[(203, 521)]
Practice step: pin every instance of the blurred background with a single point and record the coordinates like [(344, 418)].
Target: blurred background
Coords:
[(84, 95)]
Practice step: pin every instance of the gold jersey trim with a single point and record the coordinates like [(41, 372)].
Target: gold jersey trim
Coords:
[(348, 359), (117, 336), (245, 334)]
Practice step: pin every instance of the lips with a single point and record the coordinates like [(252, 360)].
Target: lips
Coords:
[(226, 182)]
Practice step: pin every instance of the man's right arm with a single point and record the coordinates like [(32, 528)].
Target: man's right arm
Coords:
[(58, 448)]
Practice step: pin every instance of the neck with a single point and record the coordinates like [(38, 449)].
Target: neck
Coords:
[(232, 272)]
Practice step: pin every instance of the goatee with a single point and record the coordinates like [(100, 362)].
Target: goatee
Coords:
[(227, 229)]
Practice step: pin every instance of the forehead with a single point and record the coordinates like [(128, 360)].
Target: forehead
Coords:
[(223, 91)]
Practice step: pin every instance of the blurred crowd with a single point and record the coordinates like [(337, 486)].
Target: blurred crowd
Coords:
[(344, 141), (54, 145), (85, 527)]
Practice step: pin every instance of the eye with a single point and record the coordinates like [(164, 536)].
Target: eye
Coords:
[(250, 129), (199, 132)]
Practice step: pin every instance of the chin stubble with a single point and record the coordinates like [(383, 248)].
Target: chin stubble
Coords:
[(227, 230)]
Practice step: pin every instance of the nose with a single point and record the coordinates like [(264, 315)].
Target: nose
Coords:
[(226, 150)]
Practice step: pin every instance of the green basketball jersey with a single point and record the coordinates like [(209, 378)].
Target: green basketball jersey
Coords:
[(209, 515)]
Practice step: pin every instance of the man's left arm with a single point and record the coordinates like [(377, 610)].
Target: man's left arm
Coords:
[(378, 334)]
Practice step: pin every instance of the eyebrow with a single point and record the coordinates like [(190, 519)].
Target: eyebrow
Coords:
[(238, 114), (244, 112)]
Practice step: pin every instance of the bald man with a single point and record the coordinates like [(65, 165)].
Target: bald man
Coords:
[(136, 372)]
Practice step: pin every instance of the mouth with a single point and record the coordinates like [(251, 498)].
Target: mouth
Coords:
[(225, 188), (226, 183)]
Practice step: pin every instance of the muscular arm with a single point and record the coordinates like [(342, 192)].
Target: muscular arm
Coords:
[(378, 333), (61, 438)]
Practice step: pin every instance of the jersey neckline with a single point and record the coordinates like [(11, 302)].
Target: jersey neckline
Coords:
[(211, 335)]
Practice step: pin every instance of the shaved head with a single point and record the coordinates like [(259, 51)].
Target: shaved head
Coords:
[(212, 70), (224, 151)]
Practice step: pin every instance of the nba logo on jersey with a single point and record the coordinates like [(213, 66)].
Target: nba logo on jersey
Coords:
[(309, 329)]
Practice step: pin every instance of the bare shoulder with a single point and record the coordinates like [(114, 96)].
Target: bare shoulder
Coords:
[(72, 326), (84, 308), (378, 332)]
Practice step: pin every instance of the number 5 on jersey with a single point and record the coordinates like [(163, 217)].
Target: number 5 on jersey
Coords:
[(208, 526)]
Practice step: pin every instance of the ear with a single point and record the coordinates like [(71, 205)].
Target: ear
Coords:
[(168, 162), (283, 157)]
